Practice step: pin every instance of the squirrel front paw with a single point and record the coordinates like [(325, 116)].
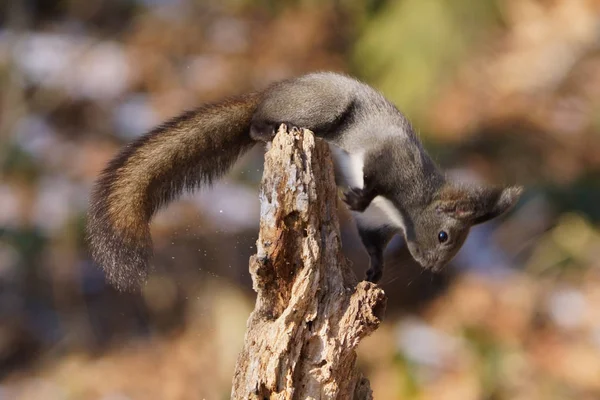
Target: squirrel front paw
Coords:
[(375, 273), (357, 199)]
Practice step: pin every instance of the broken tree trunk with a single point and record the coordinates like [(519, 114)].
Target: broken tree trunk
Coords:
[(310, 312)]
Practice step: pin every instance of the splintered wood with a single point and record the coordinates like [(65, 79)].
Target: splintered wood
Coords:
[(310, 313)]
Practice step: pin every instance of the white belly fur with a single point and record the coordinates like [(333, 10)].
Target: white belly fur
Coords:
[(349, 166), (381, 211)]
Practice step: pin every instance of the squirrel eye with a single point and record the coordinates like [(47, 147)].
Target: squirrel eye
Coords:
[(442, 236)]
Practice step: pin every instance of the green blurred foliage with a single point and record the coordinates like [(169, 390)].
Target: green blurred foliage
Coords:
[(408, 47)]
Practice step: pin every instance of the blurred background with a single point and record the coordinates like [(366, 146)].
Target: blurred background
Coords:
[(501, 91)]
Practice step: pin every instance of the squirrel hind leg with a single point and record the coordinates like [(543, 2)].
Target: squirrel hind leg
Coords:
[(266, 131), (263, 131)]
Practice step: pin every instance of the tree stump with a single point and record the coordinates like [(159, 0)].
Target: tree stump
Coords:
[(311, 312)]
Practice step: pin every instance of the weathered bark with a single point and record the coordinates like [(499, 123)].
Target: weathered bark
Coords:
[(310, 312)]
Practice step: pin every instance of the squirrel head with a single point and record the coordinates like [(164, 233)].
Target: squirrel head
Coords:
[(436, 233)]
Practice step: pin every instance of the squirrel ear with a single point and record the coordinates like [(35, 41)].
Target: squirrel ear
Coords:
[(460, 208), (479, 204), (497, 201)]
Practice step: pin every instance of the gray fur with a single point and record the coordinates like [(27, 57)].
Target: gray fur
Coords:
[(393, 185)]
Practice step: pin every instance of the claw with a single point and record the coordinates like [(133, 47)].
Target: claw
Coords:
[(374, 274), (355, 199)]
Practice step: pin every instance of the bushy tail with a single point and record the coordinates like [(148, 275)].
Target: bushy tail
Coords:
[(184, 153)]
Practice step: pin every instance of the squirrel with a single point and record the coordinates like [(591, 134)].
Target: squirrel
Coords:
[(391, 184)]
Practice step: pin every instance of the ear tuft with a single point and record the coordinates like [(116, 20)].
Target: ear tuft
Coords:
[(511, 195), (498, 205)]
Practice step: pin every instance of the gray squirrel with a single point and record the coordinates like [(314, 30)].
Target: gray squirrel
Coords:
[(392, 185)]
